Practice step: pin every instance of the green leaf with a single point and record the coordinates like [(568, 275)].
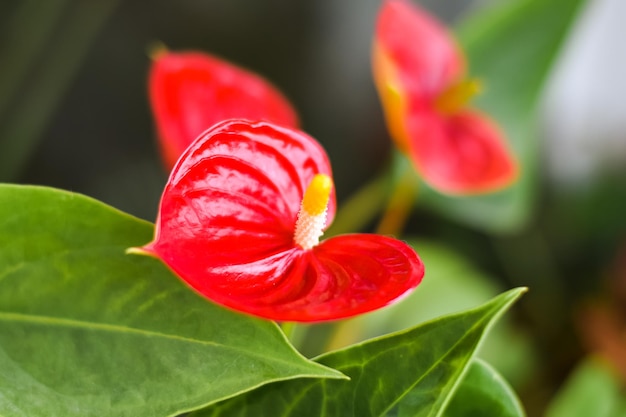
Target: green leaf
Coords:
[(484, 393), (427, 362), (86, 330), (512, 48), (452, 283), (594, 389)]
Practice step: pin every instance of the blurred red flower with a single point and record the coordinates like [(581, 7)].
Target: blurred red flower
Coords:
[(240, 220), (191, 91), (421, 79)]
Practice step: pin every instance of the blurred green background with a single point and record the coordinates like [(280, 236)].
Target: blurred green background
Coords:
[(74, 115)]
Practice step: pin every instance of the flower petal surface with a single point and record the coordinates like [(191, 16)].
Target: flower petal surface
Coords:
[(419, 73), (342, 277), (234, 196), (191, 91), (226, 226), (464, 153), (425, 58)]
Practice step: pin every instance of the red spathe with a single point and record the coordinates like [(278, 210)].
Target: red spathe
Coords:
[(226, 227), (416, 63), (191, 91)]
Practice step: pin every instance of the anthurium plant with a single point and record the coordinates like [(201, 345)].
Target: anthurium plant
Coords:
[(208, 310)]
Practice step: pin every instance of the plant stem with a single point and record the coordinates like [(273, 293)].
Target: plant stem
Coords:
[(399, 205)]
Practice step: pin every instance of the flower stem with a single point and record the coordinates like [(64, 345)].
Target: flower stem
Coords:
[(345, 333), (399, 205)]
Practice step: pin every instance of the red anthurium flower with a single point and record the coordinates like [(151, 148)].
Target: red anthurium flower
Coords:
[(191, 91), (420, 75), (240, 221)]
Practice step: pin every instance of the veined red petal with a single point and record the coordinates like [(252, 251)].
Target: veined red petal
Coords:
[(234, 195), (226, 226), (191, 91), (287, 160), (342, 277), (359, 273), (464, 153)]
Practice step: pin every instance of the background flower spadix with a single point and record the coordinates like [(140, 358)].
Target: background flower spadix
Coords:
[(227, 227), (191, 91), (420, 75)]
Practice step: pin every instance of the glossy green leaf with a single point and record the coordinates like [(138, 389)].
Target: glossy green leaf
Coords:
[(452, 284), (86, 330), (427, 362), (483, 392), (593, 389), (512, 49)]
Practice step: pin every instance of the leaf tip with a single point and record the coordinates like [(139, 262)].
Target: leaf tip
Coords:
[(143, 250), (519, 291), (511, 296)]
